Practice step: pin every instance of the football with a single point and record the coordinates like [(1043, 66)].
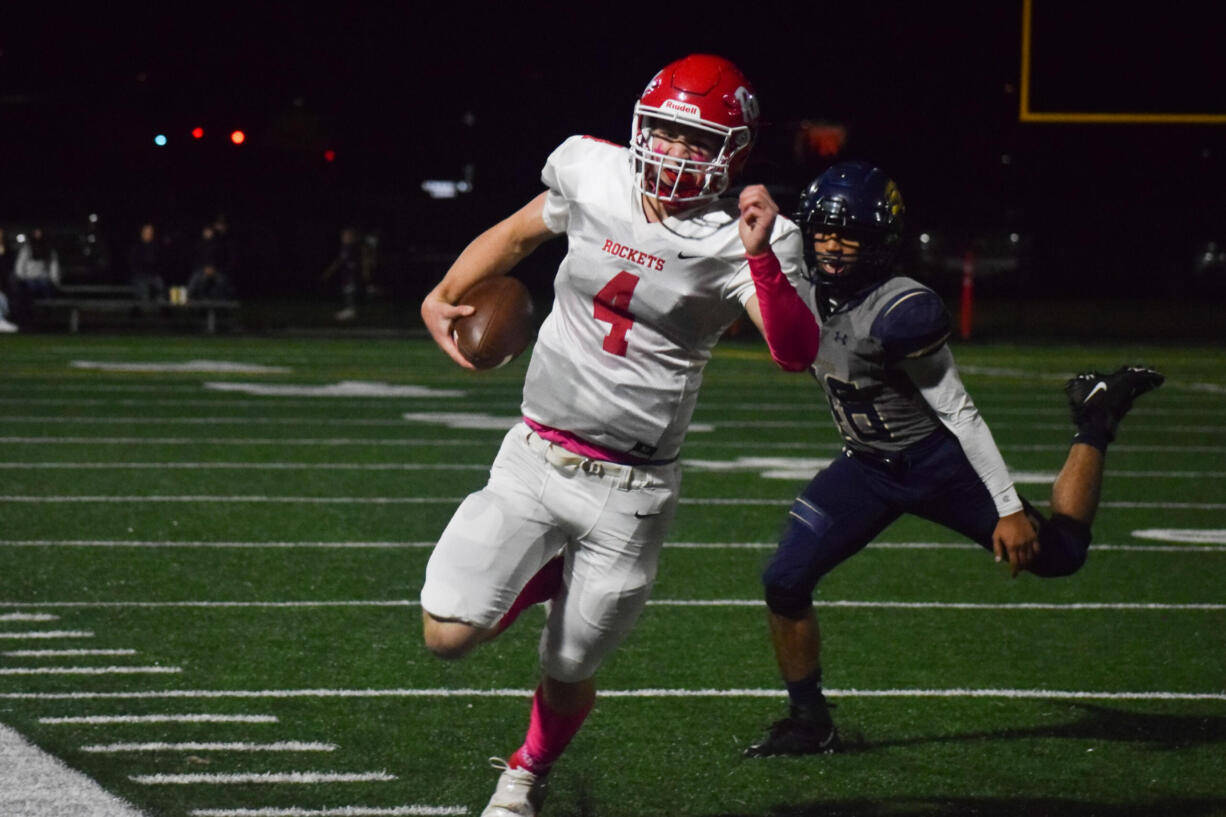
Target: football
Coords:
[(502, 325)]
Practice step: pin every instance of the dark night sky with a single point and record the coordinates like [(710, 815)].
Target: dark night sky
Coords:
[(928, 91)]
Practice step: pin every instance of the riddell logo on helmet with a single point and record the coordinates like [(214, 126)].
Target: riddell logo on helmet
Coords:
[(681, 107)]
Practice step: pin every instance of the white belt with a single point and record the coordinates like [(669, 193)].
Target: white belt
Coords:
[(558, 456)]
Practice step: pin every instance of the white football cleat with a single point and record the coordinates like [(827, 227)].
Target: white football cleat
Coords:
[(5, 326), (519, 792)]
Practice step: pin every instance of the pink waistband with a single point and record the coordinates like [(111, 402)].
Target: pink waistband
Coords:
[(577, 445)]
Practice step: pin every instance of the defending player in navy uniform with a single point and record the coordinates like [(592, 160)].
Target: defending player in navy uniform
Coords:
[(913, 440), (583, 491)]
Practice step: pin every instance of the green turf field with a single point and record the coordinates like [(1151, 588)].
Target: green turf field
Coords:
[(181, 538)]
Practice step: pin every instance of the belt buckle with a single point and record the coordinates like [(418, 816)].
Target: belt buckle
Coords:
[(893, 464)]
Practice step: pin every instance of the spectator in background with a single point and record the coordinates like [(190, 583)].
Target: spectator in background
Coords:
[(208, 280), (36, 272), (6, 265), (207, 284), (145, 266), (352, 267), (6, 259), (6, 268), (227, 255), (5, 324)]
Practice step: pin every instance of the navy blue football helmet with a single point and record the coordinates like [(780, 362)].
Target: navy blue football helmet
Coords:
[(860, 203)]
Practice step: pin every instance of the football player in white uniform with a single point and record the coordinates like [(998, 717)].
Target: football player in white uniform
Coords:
[(583, 491), (913, 440)]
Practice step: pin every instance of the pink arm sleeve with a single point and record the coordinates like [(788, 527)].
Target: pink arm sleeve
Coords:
[(792, 333)]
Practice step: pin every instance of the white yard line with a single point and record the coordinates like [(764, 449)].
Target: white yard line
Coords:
[(206, 746), (212, 421), (1197, 536), (1097, 548), (493, 423), (1192, 535), (832, 603), (241, 778), (106, 720), (266, 466), (122, 670), (266, 402), (342, 811), (440, 692), (249, 499), (954, 605), (193, 366), (236, 499), (996, 426), (38, 634), (380, 442), (63, 653), (137, 543), (439, 466), (223, 604), (492, 441), (1164, 506), (454, 500)]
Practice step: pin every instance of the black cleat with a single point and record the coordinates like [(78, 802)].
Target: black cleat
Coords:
[(799, 734), (1100, 401)]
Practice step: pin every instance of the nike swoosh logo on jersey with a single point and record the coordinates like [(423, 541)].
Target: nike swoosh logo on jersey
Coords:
[(638, 515), (1100, 386), (687, 257)]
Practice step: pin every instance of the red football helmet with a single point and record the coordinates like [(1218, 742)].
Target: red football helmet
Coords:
[(700, 91)]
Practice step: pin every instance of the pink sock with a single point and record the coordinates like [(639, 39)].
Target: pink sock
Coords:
[(541, 587), (549, 733)]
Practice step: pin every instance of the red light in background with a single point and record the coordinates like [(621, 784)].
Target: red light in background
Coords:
[(197, 133), (329, 155), (826, 139), (238, 137)]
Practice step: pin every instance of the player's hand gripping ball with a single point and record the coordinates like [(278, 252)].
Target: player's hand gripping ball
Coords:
[(500, 328)]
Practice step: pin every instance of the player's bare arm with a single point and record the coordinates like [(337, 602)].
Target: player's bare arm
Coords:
[(495, 252), (758, 212), (1015, 539), (755, 313)]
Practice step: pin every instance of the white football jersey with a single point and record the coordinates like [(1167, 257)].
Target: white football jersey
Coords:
[(637, 306)]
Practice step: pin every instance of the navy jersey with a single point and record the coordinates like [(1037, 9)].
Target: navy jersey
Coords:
[(875, 404)]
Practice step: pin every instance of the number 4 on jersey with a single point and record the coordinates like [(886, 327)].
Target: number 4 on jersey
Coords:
[(613, 307)]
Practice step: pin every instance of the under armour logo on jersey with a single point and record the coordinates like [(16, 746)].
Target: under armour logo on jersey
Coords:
[(840, 337)]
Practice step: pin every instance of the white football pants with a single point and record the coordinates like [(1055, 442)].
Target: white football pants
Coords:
[(609, 521)]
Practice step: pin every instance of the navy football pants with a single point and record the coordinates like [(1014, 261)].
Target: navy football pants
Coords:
[(854, 499)]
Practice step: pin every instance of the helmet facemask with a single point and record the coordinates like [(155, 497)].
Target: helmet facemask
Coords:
[(840, 264), (673, 179), (860, 257)]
